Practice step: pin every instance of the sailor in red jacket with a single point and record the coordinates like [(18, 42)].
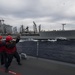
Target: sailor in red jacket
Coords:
[(11, 51), (2, 48)]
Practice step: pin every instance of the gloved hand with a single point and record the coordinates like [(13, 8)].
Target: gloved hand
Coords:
[(18, 36)]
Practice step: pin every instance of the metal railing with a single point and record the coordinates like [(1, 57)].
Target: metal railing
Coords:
[(61, 51)]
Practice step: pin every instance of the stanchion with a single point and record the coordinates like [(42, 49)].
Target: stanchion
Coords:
[(37, 48)]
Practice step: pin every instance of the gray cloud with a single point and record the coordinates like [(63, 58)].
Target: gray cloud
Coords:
[(51, 11)]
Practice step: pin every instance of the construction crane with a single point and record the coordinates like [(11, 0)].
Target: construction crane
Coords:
[(34, 27)]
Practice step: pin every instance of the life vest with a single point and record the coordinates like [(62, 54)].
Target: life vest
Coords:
[(2, 46), (10, 47)]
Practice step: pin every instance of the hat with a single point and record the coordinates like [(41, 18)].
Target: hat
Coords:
[(1, 37), (9, 38)]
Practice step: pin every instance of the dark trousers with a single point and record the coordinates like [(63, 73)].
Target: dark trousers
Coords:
[(2, 57), (10, 57)]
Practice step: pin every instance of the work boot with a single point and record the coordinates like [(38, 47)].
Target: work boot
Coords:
[(19, 63), (2, 63), (6, 70)]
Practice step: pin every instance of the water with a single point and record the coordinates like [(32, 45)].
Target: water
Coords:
[(54, 50)]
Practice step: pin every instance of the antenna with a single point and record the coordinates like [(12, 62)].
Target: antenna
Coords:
[(34, 27), (3, 21), (63, 26)]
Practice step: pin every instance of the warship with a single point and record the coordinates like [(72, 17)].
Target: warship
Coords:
[(47, 35)]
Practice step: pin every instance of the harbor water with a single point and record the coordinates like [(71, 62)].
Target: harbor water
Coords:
[(53, 50)]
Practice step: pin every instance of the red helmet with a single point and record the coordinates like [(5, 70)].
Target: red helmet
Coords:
[(9, 38), (1, 37)]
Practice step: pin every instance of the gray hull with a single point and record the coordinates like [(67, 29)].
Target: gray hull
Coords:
[(45, 35)]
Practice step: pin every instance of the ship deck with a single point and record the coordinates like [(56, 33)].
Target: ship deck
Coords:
[(39, 66)]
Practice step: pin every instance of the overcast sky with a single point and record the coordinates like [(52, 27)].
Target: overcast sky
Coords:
[(49, 13)]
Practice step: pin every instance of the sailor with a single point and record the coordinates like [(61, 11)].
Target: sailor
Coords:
[(2, 48), (11, 51)]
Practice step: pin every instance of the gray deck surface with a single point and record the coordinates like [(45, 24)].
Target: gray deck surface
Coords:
[(39, 66)]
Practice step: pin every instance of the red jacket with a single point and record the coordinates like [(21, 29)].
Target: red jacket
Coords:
[(10, 50), (2, 46), (10, 47)]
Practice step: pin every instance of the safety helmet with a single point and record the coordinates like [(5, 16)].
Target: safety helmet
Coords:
[(1, 37), (9, 38)]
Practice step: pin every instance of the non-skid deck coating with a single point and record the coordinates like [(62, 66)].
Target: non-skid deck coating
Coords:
[(38, 66)]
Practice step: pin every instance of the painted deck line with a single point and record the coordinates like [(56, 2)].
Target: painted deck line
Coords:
[(10, 72)]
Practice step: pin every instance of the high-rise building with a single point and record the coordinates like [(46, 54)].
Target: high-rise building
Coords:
[(4, 28), (14, 30)]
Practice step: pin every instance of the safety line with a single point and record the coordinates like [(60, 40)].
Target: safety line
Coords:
[(11, 72)]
